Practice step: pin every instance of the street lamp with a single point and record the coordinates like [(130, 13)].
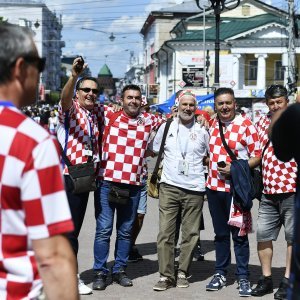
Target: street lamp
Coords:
[(111, 37), (218, 6)]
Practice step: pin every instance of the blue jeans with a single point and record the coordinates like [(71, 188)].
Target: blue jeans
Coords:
[(104, 213), (219, 208)]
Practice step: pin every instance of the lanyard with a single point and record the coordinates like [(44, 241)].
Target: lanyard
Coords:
[(90, 129), (182, 151), (6, 104)]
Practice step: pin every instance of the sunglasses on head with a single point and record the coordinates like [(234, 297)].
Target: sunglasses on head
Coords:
[(39, 62), (87, 90)]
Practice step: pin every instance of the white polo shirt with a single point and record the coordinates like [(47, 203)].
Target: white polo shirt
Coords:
[(183, 143)]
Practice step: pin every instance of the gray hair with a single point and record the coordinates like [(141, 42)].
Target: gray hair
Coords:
[(16, 41)]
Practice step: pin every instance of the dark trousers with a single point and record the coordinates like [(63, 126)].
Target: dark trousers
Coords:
[(78, 204), (219, 207)]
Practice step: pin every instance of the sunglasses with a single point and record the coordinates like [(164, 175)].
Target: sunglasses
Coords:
[(38, 62), (87, 90)]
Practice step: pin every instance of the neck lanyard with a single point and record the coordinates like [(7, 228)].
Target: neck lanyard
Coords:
[(90, 129), (183, 151), (6, 104)]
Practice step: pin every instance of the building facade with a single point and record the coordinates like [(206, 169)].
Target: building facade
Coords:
[(46, 27), (253, 42)]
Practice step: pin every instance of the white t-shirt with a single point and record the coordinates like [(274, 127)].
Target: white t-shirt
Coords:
[(183, 143)]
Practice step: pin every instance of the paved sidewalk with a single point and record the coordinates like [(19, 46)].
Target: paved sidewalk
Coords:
[(145, 273)]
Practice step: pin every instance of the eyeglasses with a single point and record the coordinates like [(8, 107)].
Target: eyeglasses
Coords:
[(87, 90), (39, 62)]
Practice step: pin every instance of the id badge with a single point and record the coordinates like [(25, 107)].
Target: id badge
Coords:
[(87, 152), (183, 168)]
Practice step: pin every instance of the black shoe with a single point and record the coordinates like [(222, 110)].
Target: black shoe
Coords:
[(281, 293), (264, 286), (134, 255), (99, 282), (121, 278), (198, 255)]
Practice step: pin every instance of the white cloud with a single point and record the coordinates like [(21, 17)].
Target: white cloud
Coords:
[(89, 45), (127, 24), (154, 5)]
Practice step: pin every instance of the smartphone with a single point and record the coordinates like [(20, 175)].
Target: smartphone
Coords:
[(80, 64), (221, 164)]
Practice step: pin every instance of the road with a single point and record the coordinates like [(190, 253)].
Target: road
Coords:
[(145, 273)]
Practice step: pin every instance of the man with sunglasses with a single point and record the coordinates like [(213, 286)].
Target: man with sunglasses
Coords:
[(80, 118), (34, 214), (276, 208)]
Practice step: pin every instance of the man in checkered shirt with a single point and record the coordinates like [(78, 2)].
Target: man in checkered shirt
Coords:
[(286, 142), (242, 138), (277, 205), (124, 150), (34, 213), (81, 119)]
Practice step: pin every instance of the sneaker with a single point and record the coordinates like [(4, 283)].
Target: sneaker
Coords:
[(282, 291), (244, 288), (163, 284), (182, 281), (134, 255), (122, 279), (217, 282), (198, 255), (82, 288), (99, 282), (264, 286)]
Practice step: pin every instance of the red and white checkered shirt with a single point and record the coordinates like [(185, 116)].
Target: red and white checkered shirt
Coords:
[(125, 146), (33, 201), (278, 177), (241, 137), (83, 132)]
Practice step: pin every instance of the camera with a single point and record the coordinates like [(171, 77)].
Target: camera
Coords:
[(80, 63)]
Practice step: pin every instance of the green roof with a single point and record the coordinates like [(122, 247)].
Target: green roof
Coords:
[(105, 71), (230, 27)]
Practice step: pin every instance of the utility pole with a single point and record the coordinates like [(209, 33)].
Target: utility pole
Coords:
[(291, 68)]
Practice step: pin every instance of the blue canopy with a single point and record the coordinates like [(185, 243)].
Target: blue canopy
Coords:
[(202, 101)]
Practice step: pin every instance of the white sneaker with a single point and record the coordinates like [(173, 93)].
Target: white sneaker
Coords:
[(82, 288)]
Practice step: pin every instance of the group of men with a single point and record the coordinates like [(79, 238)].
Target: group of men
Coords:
[(35, 222)]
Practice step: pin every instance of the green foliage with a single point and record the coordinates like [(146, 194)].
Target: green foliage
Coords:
[(2, 20), (54, 97)]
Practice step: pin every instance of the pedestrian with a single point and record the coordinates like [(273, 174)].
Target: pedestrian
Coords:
[(36, 258), (242, 139), (285, 137), (52, 122), (81, 119), (125, 142), (181, 191), (276, 208)]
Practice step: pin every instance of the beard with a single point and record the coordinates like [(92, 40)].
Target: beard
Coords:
[(185, 117)]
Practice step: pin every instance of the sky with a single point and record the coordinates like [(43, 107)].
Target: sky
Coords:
[(123, 18)]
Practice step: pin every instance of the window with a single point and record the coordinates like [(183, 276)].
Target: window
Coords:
[(253, 70), (246, 10), (279, 70)]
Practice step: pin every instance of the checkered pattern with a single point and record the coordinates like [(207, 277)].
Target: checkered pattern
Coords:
[(125, 146), (278, 176), (33, 200), (80, 120), (241, 137)]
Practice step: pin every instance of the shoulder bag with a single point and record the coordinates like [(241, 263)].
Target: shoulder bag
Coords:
[(83, 175), (154, 178)]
